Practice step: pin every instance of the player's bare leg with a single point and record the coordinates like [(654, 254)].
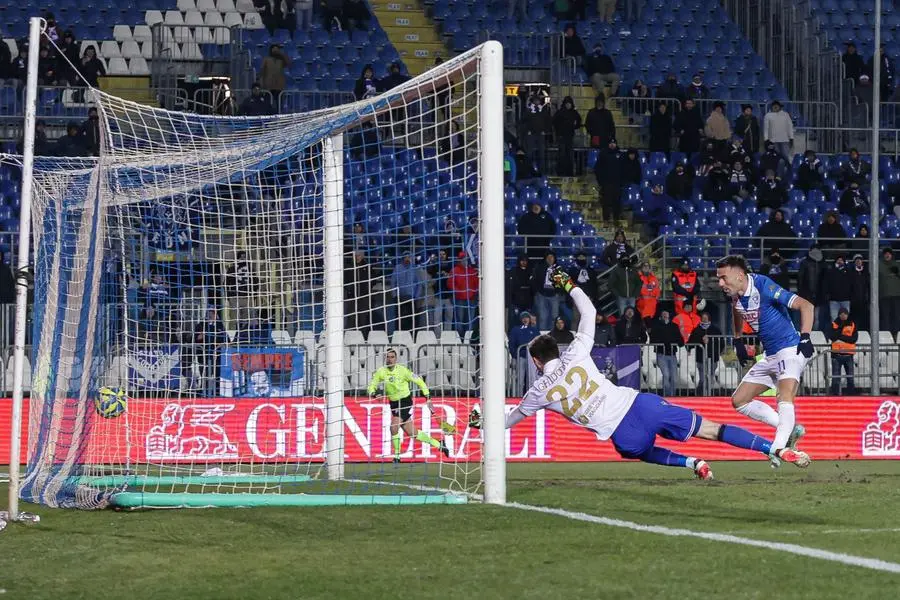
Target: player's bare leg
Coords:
[(410, 428), (745, 402)]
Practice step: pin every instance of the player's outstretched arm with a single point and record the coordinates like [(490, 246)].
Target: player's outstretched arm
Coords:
[(807, 316), (586, 311)]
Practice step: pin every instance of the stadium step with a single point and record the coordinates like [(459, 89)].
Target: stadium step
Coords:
[(582, 192), (136, 89), (412, 32)]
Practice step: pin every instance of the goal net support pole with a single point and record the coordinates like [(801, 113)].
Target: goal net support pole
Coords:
[(34, 38), (493, 275)]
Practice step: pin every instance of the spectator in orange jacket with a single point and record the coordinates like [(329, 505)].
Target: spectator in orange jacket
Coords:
[(464, 283), (685, 286), (687, 321), (649, 295)]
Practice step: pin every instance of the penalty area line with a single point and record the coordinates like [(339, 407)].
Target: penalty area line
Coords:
[(839, 557)]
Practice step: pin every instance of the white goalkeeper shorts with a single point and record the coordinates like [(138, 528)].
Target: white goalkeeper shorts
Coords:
[(784, 364)]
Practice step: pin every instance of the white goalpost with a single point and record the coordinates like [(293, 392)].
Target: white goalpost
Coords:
[(213, 296)]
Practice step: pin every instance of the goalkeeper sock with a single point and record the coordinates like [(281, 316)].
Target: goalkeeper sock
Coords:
[(741, 438), (664, 457), (760, 411), (424, 437), (786, 420), (396, 440)]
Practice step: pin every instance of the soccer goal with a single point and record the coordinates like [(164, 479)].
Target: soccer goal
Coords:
[(214, 295)]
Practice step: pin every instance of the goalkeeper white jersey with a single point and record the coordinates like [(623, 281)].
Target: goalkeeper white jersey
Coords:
[(573, 386)]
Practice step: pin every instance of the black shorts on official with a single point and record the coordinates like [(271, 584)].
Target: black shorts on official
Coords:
[(402, 408)]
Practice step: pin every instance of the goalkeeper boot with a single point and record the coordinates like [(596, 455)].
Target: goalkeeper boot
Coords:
[(798, 457), (703, 471), (798, 432), (445, 449)]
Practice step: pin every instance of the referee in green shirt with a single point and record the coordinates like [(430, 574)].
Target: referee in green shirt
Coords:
[(396, 379)]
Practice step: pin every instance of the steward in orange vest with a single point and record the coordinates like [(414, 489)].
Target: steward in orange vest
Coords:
[(843, 347), (687, 321), (684, 287), (650, 292)]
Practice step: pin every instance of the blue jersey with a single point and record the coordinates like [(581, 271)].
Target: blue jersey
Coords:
[(764, 306)]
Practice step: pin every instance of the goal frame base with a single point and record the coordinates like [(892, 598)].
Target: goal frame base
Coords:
[(138, 500)]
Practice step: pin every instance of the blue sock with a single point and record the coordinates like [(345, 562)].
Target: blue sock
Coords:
[(740, 437), (662, 456)]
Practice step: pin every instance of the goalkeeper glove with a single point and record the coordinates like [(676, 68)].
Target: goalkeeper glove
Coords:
[(561, 279), (805, 347), (475, 418), (740, 349)]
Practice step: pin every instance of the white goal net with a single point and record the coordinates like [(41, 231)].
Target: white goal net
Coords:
[(214, 296)]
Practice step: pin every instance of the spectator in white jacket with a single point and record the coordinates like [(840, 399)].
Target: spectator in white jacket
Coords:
[(779, 129)]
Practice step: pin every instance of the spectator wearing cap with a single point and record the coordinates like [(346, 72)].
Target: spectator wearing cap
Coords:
[(630, 163), (672, 90), (272, 75), (566, 122), (68, 54), (777, 232), (537, 124), (864, 91), (547, 298), (770, 194), (601, 70), (737, 152), (625, 283), (697, 90), (844, 335), (772, 160), (648, 297), (680, 182), (854, 202), (519, 337), (666, 339), (616, 249), (609, 179), (561, 332), (519, 294), (464, 283), (688, 126), (779, 129), (859, 292), (572, 45), (853, 63), (599, 124), (256, 104), (538, 227), (604, 332), (747, 127), (48, 73), (837, 287), (685, 286), (889, 291), (886, 65), (42, 146), (630, 328), (717, 126)]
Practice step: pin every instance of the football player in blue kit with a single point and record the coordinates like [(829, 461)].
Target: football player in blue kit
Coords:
[(765, 307)]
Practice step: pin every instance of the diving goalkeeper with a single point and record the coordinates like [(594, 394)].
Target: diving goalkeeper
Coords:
[(396, 379)]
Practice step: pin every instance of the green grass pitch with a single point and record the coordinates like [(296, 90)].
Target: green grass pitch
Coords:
[(477, 551)]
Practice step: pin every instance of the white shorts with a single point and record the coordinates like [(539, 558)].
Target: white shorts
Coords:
[(784, 364)]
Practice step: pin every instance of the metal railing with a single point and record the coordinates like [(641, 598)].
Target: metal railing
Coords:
[(184, 50), (795, 47)]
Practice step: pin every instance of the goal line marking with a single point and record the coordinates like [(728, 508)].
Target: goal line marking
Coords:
[(839, 557)]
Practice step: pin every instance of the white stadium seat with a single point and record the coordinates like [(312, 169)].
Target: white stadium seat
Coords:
[(131, 49), (13, 48), (686, 375), (726, 377), (225, 6), (449, 337), (206, 6), (121, 33), (233, 19), (186, 5), (117, 66), (174, 17), (138, 66), (305, 339), (147, 50), (245, 6), (183, 34), (650, 373), (213, 19), (203, 35), (281, 337), (152, 17), (354, 338), (142, 33), (253, 21), (378, 337), (110, 49), (193, 18), (222, 36), (403, 338)]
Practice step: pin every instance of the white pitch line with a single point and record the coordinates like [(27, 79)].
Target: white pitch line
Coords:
[(822, 531), (839, 557)]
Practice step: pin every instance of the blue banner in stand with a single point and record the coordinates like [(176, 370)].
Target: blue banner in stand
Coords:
[(156, 368), (622, 365), (262, 373)]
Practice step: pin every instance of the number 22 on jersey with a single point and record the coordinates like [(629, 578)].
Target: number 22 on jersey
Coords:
[(559, 394)]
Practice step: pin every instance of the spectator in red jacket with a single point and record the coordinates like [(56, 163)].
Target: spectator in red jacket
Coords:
[(464, 283)]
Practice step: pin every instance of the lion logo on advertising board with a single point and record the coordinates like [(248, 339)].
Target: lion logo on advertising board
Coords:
[(191, 432), (882, 437)]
